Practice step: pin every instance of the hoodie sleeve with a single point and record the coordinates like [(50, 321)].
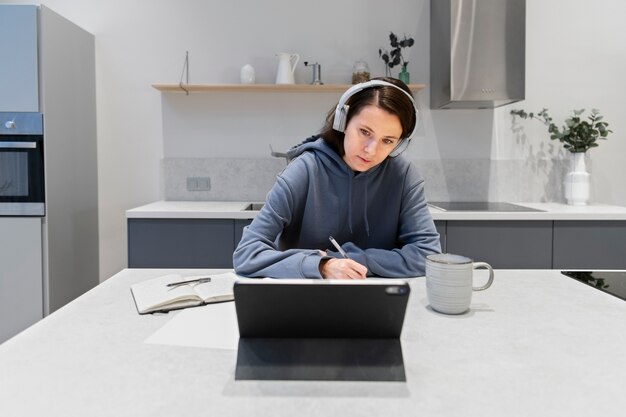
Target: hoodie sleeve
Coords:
[(258, 254), (417, 237)]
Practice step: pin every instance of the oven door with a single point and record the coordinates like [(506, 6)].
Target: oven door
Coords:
[(22, 190)]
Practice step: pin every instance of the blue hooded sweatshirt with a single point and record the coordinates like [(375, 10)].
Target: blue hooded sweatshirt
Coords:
[(380, 217)]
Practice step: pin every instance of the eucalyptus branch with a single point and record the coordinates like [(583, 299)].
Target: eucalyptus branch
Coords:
[(394, 56), (576, 135)]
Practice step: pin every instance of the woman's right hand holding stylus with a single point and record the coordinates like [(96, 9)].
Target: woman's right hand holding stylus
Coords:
[(341, 268)]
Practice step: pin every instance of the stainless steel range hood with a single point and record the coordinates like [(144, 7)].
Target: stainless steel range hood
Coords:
[(477, 53)]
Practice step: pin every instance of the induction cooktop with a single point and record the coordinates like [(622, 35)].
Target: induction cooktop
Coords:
[(611, 282), (478, 206)]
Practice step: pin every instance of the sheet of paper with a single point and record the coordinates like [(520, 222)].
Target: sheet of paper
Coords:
[(211, 326)]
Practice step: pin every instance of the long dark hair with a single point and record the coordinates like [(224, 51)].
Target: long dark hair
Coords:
[(385, 97)]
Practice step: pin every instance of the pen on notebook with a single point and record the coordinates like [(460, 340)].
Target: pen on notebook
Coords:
[(191, 281), (335, 244)]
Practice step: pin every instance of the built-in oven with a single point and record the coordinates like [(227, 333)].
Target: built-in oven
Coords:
[(22, 187)]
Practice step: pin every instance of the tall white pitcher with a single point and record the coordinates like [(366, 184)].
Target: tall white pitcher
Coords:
[(286, 66)]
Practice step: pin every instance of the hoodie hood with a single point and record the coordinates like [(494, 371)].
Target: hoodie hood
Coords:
[(328, 155)]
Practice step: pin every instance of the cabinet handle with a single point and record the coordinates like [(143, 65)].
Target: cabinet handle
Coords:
[(18, 145)]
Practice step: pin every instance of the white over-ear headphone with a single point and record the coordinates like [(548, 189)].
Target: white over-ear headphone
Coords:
[(341, 112)]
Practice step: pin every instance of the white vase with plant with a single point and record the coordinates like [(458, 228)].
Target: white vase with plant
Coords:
[(577, 136)]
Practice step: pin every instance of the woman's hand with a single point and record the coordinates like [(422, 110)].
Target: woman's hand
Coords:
[(335, 268)]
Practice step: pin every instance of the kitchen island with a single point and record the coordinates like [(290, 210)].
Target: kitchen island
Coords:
[(536, 343)]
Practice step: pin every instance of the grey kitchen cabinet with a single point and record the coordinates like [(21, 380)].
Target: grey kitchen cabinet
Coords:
[(441, 229), (594, 244), (19, 74), (180, 243), (505, 244), (239, 225), (48, 66), (21, 271)]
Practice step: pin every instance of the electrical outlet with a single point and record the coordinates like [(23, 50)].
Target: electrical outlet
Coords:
[(198, 183)]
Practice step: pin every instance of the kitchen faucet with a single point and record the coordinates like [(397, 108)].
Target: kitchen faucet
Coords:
[(278, 154)]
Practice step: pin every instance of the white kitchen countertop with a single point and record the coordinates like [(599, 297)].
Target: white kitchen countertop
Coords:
[(193, 210), (235, 210), (536, 343)]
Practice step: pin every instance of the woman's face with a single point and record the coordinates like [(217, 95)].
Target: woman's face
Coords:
[(370, 136)]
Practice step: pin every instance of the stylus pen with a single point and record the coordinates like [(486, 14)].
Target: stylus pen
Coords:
[(191, 281), (335, 244)]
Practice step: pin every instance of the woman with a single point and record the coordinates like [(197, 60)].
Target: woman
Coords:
[(350, 183)]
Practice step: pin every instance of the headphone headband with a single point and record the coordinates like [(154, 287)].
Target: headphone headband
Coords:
[(341, 111)]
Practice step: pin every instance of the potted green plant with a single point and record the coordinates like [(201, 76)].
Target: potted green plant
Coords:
[(394, 56), (577, 136)]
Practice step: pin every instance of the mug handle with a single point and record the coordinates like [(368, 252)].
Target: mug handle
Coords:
[(490, 281), (294, 58)]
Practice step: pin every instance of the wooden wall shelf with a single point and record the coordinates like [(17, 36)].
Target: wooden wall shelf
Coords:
[(260, 88)]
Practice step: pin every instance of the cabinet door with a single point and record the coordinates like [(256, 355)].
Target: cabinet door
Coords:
[(180, 243), (21, 279), (590, 244), (441, 229), (239, 225), (19, 75), (502, 244)]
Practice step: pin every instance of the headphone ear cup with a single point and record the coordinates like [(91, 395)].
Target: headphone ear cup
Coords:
[(401, 147), (339, 124)]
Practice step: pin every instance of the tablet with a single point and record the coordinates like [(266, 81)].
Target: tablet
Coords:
[(308, 308)]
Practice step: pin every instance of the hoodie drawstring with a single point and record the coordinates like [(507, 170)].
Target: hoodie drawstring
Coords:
[(350, 203), (367, 224)]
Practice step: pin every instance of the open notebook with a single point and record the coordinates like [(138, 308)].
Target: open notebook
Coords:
[(154, 294)]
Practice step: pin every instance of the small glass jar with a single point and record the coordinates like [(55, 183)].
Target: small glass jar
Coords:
[(360, 72)]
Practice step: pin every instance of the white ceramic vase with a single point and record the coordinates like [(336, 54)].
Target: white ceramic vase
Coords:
[(247, 75), (577, 181)]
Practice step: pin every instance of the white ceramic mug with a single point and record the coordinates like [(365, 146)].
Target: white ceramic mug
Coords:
[(449, 282)]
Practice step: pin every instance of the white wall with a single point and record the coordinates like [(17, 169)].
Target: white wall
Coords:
[(575, 59)]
